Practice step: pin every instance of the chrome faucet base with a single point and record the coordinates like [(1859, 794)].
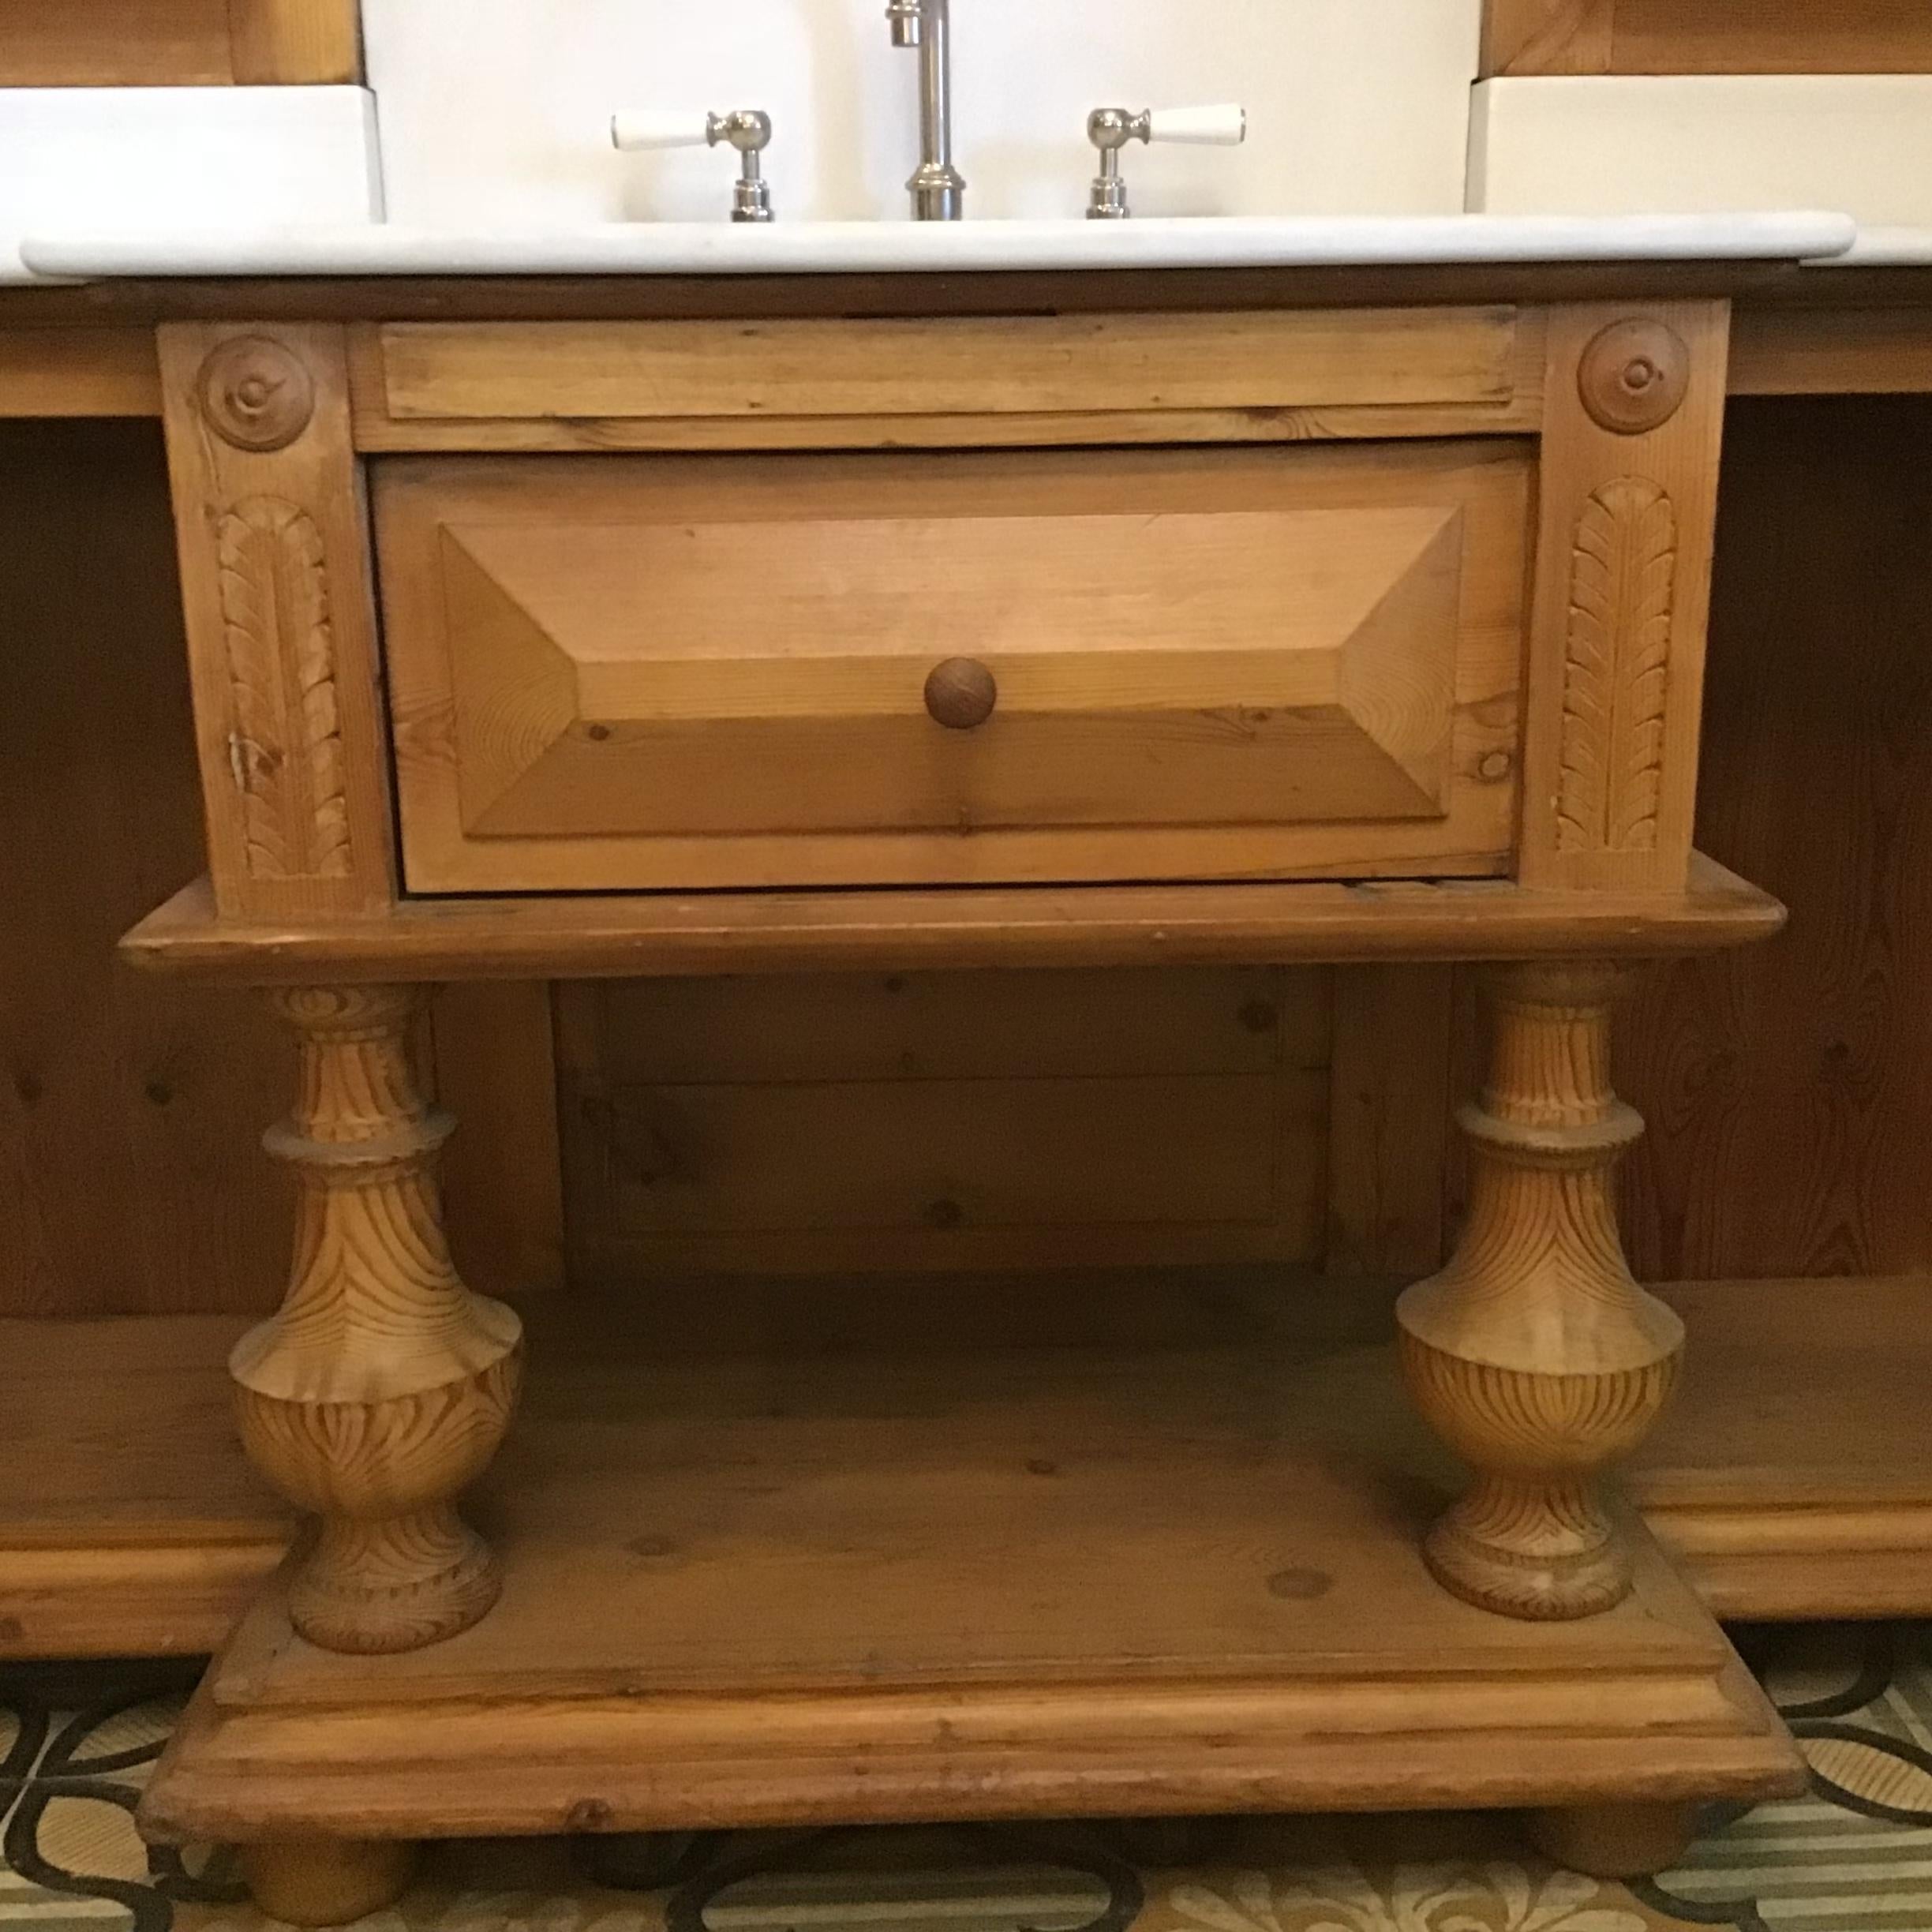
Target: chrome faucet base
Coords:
[(937, 188), (938, 193)]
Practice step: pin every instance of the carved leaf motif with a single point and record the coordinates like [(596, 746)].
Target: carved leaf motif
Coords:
[(1623, 586), (287, 745)]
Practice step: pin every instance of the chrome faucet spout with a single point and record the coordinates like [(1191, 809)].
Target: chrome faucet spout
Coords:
[(937, 188)]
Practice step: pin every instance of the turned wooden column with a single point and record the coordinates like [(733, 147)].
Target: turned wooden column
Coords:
[(1534, 1355), (384, 1386)]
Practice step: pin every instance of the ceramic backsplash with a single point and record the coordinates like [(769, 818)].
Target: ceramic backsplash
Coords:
[(496, 112)]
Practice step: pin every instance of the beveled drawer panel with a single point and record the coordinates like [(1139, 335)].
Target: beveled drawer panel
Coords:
[(633, 671)]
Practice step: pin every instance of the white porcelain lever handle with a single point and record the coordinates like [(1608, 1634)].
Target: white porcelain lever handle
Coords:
[(1208, 127), (646, 127)]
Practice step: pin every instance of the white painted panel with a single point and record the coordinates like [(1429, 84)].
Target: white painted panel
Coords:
[(151, 159), (1693, 143), (494, 113)]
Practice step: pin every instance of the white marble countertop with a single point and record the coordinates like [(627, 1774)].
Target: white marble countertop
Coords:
[(885, 247), (1885, 248)]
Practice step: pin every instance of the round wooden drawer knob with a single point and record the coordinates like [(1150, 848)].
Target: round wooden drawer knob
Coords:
[(960, 692)]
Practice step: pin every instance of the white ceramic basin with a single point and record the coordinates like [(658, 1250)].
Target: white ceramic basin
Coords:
[(668, 248)]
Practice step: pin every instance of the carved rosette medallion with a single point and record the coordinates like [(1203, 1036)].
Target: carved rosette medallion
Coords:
[(1634, 376), (1616, 669), (256, 394), (284, 743)]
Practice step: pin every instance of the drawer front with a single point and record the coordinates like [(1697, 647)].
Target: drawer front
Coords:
[(628, 671)]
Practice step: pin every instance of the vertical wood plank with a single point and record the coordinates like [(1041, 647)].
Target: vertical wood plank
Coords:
[(1633, 426), (1789, 1087), (495, 1070), (277, 587), (131, 1179), (1389, 1110)]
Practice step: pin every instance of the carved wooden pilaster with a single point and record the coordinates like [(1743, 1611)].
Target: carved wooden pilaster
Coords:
[(384, 1386), (1633, 424), (1534, 1355), (276, 581)]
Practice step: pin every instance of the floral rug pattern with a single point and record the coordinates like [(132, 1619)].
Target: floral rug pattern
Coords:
[(1854, 1855)]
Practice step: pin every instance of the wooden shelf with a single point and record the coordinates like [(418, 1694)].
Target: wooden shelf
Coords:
[(130, 1524), (640, 934), (1790, 1478), (790, 1584), (1791, 1475)]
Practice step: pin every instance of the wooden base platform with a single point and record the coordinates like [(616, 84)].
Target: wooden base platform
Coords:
[(1791, 1477), (797, 1585)]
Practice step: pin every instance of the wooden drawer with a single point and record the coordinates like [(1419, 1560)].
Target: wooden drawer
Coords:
[(619, 672)]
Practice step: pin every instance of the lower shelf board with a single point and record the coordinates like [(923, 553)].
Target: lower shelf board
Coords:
[(1791, 1475), (1791, 1478), (798, 1587), (130, 1524)]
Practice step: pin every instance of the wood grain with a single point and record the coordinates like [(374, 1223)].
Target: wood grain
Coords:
[(79, 371), (1806, 1068), (767, 727), (1793, 1477), (275, 584), (178, 42), (99, 797), (1223, 1611), (279, 41), (642, 936), (1705, 36), (908, 1121), (1611, 723), (1790, 1481), (1534, 1355), (1029, 364), (1388, 1120), (1853, 351), (382, 1386), (495, 1070), (130, 1524)]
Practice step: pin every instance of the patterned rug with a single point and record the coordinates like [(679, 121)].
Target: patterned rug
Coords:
[(1855, 1855)]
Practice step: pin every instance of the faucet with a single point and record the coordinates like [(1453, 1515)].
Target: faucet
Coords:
[(938, 188)]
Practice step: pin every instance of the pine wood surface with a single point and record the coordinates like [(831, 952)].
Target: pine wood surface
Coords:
[(1533, 1354), (1788, 1476), (79, 371), (949, 1583), (1805, 1067), (124, 1119), (1020, 364), (766, 728), (645, 934), (130, 1524), (1705, 36), (869, 1121), (1792, 1475), (99, 796), (1626, 496), (380, 1388), (1146, 375), (1855, 350), (178, 42), (276, 591)]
